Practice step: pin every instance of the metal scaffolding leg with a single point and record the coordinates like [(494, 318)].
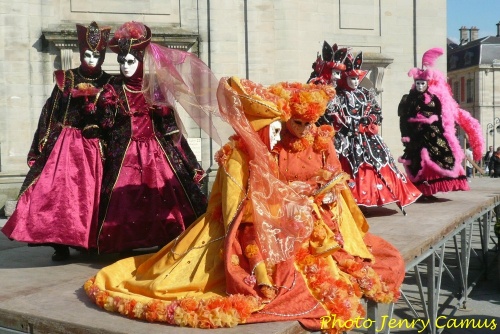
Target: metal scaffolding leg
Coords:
[(371, 313), (431, 292)]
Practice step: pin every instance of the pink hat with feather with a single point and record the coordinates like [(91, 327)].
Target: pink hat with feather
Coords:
[(427, 72)]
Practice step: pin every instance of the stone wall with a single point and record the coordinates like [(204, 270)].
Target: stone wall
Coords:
[(268, 41)]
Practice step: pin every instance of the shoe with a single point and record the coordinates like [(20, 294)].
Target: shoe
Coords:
[(61, 253), (427, 199)]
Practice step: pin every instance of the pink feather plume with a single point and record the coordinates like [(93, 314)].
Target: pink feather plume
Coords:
[(430, 56)]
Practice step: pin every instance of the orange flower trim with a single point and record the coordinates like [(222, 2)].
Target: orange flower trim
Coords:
[(222, 155), (369, 281), (259, 92), (294, 144), (324, 137), (239, 143), (319, 233), (307, 101), (251, 251), (215, 312), (339, 297)]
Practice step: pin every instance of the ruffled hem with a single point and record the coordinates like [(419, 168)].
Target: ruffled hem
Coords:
[(433, 186)]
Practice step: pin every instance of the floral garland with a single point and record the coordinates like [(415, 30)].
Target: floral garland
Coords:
[(324, 136), (216, 312), (223, 154), (341, 298), (369, 281)]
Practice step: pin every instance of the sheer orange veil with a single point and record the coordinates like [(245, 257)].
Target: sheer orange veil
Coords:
[(282, 218)]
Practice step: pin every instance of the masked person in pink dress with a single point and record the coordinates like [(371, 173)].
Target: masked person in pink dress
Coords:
[(152, 185), (428, 116), (58, 202)]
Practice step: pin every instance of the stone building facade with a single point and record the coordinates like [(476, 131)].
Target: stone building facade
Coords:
[(263, 40), (474, 76)]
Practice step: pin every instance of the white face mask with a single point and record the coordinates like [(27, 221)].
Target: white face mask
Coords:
[(274, 133), (421, 85), (91, 58), (336, 74), (129, 66), (353, 82)]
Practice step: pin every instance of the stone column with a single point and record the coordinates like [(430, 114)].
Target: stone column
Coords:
[(66, 50)]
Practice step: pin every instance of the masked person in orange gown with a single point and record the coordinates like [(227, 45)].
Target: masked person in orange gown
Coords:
[(262, 252), (340, 240)]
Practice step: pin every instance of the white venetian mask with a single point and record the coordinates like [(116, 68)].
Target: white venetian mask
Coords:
[(129, 65), (274, 133)]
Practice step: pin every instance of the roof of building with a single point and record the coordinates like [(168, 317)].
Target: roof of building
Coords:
[(477, 52)]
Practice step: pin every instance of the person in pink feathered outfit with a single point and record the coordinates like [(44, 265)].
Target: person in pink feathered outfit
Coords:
[(433, 157)]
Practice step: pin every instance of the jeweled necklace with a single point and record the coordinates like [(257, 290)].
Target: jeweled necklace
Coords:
[(133, 91), (89, 79)]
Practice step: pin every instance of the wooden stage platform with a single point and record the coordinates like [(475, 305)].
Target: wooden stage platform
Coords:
[(39, 296)]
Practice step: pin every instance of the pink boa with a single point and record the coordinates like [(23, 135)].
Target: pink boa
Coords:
[(472, 127), (451, 114), (423, 119)]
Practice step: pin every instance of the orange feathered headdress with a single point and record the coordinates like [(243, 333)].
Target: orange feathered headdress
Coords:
[(306, 101)]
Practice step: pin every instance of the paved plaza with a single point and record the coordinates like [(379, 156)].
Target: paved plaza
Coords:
[(41, 296)]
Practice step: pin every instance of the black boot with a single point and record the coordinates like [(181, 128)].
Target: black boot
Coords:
[(61, 253)]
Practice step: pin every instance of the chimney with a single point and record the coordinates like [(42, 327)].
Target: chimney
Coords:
[(464, 35), (498, 29), (474, 32)]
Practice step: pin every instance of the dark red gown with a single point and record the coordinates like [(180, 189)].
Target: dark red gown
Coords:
[(151, 187)]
